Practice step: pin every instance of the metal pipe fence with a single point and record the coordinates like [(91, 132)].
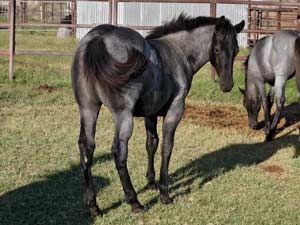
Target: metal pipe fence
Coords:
[(264, 17)]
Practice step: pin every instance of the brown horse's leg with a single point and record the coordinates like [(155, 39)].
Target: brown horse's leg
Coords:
[(151, 146), (123, 131), (86, 142)]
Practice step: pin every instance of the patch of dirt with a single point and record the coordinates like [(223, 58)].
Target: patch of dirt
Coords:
[(273, 169), (222, 116), (46, 88), (217, 116)]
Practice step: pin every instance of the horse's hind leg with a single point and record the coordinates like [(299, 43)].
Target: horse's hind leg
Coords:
[(280, 98), (270, 98), (265, 104), (123, 131), (151, 146), (86, 142)]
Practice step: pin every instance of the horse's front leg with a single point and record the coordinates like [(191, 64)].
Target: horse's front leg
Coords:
[(170, 123), (123, 131), (280, 98), (88, 119), (151, 146)]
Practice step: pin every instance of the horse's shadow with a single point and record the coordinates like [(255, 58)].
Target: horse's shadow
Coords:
[(56, 200), (214, 164), (291, 114)]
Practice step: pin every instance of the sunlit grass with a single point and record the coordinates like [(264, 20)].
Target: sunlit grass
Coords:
[(218, 176)]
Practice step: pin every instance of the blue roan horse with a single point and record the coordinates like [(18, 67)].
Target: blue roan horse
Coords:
[(273, 60), (151, 77)]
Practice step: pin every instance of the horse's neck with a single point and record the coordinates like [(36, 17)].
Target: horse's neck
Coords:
[(251, 88), (195, 45)]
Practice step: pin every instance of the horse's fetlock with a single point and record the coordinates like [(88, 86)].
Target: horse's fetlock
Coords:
[(150, 175), (163, 188), (89, 198), (131, 197)]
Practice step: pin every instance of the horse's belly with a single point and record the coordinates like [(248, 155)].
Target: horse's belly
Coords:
[(155, 104)]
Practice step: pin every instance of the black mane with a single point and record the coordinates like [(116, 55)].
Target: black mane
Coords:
[(183, 22)]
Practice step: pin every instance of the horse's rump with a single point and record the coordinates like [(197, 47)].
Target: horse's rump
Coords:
[(99, 64)]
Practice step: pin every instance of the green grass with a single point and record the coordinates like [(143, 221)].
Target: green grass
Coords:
[(218, 176)]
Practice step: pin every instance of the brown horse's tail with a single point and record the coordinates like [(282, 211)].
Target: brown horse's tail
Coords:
[(297, 65), (99, 64)]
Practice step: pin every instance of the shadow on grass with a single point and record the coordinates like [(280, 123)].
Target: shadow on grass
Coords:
[(215, 164), (56, 200), (59, 198), (290, 113)]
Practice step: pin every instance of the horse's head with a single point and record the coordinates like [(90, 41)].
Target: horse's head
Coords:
[(224, 49), (252, 104)]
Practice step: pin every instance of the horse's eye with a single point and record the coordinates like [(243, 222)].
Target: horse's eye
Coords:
[(217, 50)]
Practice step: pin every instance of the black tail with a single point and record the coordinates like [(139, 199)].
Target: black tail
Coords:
[(297, 64), (102, 66)]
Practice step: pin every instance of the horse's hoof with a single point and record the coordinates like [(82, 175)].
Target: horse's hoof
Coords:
[(270, 135), (95, 211), (152, 186), (268, 138), (137, 208), (165, 199)]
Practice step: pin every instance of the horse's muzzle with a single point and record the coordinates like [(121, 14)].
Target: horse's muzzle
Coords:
[(254, 125), (226, 87)]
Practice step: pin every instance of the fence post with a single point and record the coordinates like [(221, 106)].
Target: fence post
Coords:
[(298, 18), (213, 13), (249, 24), (73, 9), (115, 12), (110, 12), (12, 26)]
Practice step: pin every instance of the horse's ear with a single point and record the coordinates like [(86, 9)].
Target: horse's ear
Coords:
[(240, 26), (221, 21), (242, 91)]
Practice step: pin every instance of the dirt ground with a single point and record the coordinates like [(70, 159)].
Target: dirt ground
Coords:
[(222, 116)]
